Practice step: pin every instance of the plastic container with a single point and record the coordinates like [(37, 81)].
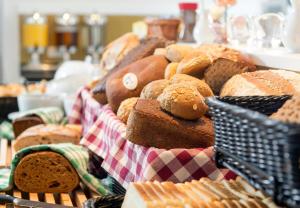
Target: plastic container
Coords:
[(188, 16), (264, 151)]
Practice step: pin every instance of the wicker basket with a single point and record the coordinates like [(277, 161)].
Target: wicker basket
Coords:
[(266, 152)]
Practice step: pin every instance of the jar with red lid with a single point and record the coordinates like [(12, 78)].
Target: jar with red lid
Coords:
[(188, 16)]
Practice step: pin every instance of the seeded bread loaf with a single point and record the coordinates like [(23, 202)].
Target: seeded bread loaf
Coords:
[(264, 82), (154, 89), (125, 108), (46, 172), (46, 134), (130, 81), (148, 125)]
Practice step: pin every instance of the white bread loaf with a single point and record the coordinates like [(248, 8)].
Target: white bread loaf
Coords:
[(47, 134), (265, 82), (203, 193)]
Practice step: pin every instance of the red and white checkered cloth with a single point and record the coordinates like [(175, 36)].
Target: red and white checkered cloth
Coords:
[(128, 162), (85, 110)]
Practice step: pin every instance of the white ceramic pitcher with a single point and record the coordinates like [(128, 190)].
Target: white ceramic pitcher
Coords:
[(291, 32)]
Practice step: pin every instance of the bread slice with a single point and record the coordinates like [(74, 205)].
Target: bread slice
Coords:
[(192, 194), (45, 172), (46, 134), (21, 124), (164, 130)]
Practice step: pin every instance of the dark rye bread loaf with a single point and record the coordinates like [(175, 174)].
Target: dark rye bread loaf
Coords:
[(221, 70), (149, 126), (144, 49), (21, 124), (47, 172)]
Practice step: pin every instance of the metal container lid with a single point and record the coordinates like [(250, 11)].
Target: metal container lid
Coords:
[(36, 18), (66, 19), (95, 19)]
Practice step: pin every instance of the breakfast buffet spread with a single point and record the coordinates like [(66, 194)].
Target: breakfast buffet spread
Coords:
[(169, 125)]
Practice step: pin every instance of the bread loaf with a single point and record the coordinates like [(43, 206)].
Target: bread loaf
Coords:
[(46, 172), (125, 108), (46, 134), (21, 124), (129, 81), (144, 49), (175, 53), (117, 49), (202, 193), (183, 101), (265, 82), (221, 70), (149, 126), (154, 89)]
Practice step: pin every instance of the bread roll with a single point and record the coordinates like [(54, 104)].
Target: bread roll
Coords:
[(170, 70), (117, 49), (144, 49), (175, 53), (201, 86), (46, 134), (130, 81), (154, 89), (194, 64), (46, 172), (183, 101), (265, 82), (150, 126), (125, 108), (160, 51)]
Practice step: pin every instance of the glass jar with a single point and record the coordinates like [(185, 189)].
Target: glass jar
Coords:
[(35, 31), (95, 29), (66, 31), (188, 17)]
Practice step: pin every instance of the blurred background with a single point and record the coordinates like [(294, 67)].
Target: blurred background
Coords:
[(37, 36)]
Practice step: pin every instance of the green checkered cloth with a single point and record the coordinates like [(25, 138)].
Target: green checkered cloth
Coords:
[(50, 115), (6, 130), (77, 156)]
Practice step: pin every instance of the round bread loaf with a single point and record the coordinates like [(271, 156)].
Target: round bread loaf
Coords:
[(264, 82), (125, 108), (154, 89), (160, 51), (201, 86), (47, 172), (183, 101), (171, 70), (175, 53), (194, 64)]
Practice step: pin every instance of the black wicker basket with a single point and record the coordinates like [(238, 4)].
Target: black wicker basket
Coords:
[(264, 151), (7, 106)]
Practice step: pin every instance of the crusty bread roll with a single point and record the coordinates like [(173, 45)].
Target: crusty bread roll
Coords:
[(125, 108), (117, 49), (130, 81), (183, 101), (148, 125), (154, 89), (175, 53), (170, 70), (265, 82), (160, 51), (46, 172), (46, 134), (201, 86), (194, 64)]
